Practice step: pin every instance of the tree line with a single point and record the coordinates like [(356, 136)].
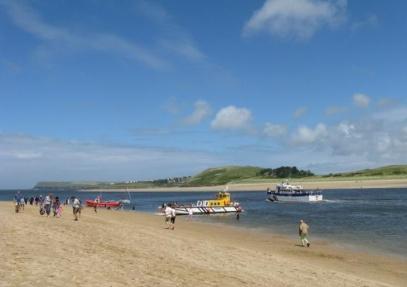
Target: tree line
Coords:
[(284, 172)]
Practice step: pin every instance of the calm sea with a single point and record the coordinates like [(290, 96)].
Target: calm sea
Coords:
[(368, 219)]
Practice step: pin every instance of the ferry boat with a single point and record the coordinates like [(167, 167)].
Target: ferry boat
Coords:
[(295, 193), (221, 204)]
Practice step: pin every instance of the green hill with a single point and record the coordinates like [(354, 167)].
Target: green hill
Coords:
[(223, 175), (236, 174), (390, 170)]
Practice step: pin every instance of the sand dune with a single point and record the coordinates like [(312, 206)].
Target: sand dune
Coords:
[(113, 248)]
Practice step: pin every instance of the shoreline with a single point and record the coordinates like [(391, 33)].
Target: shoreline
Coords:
[(134, 248), (323, 185)]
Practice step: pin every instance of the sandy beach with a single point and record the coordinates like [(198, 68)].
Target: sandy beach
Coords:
[(115, 248), (262, 186)]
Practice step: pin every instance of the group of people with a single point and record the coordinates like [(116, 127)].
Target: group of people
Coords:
[(50, 203), (47, 204)]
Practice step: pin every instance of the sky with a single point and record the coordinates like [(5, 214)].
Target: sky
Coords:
[(137, 90)]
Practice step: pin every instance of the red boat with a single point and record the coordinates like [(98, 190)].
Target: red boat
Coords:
[(101, 203)]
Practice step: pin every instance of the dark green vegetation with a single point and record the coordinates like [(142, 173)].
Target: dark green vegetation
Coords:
[(224, 175), (285, 172), (233, 174)]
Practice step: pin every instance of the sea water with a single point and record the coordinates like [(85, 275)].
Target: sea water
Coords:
[(364, 219)]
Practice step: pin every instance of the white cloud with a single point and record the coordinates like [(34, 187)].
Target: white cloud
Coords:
[(387, 103), (295, 18), (306, 135), (184, 48), (274, 130), (301, 111), (26, 160), (175, 38), (232, 118), (346, 129), (397, 114), (28, 20), (201, 111), (361, 100)]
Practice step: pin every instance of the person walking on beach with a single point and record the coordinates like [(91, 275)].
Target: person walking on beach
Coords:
[(303, 232), (167, 213), (22, 203), (97, 201), (47, 204), (76, 206), (56, 205), (17, 199), (173, 216)]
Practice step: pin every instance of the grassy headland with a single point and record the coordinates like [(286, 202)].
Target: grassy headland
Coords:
[(244, 175)]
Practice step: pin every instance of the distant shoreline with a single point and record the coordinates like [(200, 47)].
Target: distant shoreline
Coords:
[(323, 185)]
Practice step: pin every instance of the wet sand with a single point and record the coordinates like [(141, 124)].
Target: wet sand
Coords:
[(113, 248), (262, 186)]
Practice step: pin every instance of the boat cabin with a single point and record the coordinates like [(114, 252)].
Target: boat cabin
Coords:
[(222, 199)]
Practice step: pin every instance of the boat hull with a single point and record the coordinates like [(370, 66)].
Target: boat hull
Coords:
[(184, 210), (295, 198), (92, 203)]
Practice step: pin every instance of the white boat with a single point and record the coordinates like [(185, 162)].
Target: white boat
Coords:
[(295, 193), (221, 204)]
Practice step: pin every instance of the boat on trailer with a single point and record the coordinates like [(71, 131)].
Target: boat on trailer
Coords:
[(295, 193), (222, 203)]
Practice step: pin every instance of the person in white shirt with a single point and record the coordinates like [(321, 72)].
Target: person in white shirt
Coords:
[(167, 212), (76, 206), (47, 204), (173, 216)]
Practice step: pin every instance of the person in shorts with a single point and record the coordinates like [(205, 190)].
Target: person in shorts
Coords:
[(47, 204), (76, 207), (303, 233), (173, 216)]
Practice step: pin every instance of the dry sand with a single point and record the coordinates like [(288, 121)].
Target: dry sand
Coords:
[(262, 186), (113, 248)]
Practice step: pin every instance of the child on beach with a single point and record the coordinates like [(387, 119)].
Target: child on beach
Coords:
[(59, 210), (55, 205), (303, 232)]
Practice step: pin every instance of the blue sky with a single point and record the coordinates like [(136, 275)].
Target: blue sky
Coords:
[(93, 90)]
